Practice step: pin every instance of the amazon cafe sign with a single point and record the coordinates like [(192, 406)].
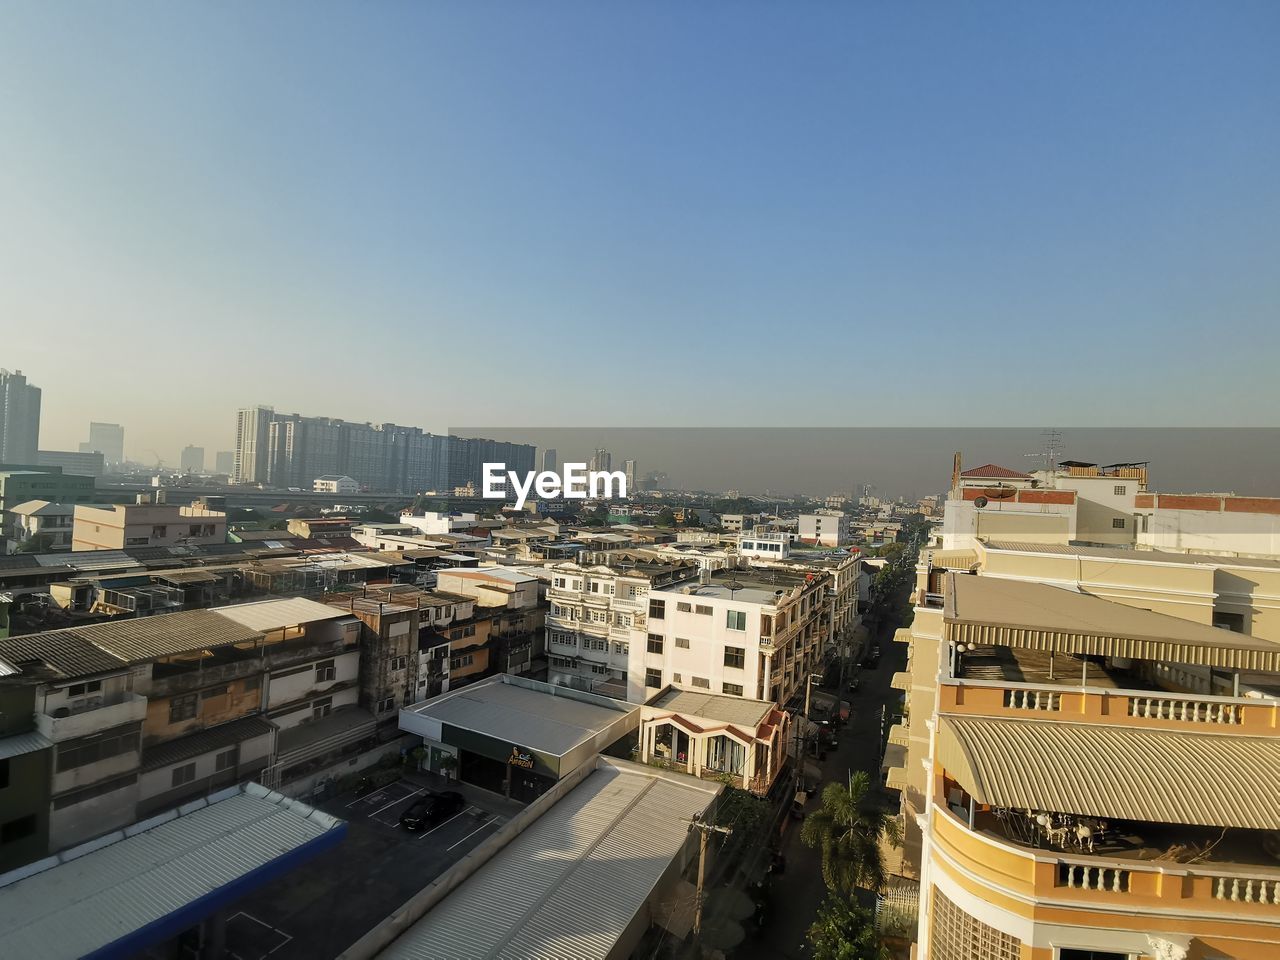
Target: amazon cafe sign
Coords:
[(520, 758)]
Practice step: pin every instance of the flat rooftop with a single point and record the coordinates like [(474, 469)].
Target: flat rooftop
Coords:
[(140, 886), (751, 585), (572, 883), (1133, 556), (539, 716)]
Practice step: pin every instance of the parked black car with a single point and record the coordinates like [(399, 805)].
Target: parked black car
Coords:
[(432, 808)]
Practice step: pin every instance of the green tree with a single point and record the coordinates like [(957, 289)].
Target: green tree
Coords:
[(666, 517), (848, 830), (845, 931), (891, 551), (424, 504), (597, 516), (746, 814)]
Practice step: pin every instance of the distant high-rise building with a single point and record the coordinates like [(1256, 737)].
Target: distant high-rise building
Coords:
[(106, 439), (549, 461), (601, 460), (192, 459), (224, 462), (19, 419), (629, 468), (252, 424), (290, 450)]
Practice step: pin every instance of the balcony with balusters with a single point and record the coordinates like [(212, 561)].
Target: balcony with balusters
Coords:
[(999, 682), (1082, 862)]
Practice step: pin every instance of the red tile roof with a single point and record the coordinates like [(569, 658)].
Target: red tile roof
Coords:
[(995, 472)]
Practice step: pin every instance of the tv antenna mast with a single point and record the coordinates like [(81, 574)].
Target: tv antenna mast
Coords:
[(1052, 447)]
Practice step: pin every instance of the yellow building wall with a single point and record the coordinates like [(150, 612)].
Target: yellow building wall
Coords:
[(239, 701)]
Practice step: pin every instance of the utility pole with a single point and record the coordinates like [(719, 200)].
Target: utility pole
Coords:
[(704, 828)]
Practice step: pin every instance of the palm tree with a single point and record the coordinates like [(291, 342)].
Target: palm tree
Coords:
[(848, 830)]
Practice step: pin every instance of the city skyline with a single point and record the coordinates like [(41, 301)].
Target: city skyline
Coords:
[(1070, 185)]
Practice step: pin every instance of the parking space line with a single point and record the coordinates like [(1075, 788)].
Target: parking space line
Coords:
[(395, 801), (443, 822), (487, 823), (374, 795), (262, 923)]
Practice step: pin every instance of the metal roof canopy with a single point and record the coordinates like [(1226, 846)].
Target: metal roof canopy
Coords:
[(539, 716), (267, 615), (1159, 776), (992, 611), (572, 882), (121, 894)]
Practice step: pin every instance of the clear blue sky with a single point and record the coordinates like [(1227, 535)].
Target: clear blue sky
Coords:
[(640, 214)]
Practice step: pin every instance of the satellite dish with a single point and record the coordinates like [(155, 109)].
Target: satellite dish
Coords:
[(980, 502)]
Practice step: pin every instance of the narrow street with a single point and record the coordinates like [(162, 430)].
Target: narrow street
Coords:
[(796, 894)]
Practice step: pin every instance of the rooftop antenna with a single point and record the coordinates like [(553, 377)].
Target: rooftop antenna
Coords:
[(1052, 447)]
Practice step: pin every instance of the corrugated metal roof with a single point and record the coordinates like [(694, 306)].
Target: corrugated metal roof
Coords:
[(66, 652), (267, 615), (546, 720), (20, 743), (1038, 616), (204, 741), (570, 884), (101, 896), (1163, 776), (145, 638)]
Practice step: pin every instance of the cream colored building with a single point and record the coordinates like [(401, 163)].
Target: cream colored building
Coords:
[(145, 525), (1210, 523), (735, 740), (1088, 767)]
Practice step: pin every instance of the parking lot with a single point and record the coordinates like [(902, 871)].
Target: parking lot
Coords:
[(322, 908)]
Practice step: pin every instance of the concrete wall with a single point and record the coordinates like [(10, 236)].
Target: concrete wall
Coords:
[(93, 817), (708, 635), (299, 682)]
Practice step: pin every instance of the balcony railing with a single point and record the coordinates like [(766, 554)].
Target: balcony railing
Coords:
[(129, 709), (1134, 708), (1159, 887)]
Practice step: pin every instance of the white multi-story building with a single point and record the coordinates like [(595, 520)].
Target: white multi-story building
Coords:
[(755, 633), (830, 528), (768, 546), (596, 613), (629, 625)]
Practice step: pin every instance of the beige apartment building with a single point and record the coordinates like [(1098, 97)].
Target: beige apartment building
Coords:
[(117, 526), (1089, 755), (1086, 504)]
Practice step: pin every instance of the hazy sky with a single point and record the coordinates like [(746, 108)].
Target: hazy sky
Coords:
[(654, 213)]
